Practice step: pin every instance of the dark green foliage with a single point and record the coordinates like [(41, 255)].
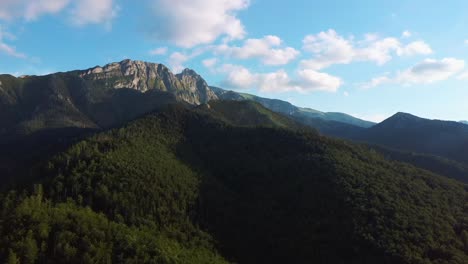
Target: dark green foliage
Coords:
[(323, 200), (438, 165), (34, 230), (248, 113), (410, 133), (181, 185)]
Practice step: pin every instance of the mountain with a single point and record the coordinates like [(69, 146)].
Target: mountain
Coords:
[(250, 114), (360, 131), (99, 97), (107, 96), (410, 133), (288, 109), (63, 107), (202, 185), (464, 122), (187, 86)]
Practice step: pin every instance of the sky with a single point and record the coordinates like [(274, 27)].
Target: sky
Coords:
[(367, 58)]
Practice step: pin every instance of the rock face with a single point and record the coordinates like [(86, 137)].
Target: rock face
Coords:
[(187, 86), (99, 97)]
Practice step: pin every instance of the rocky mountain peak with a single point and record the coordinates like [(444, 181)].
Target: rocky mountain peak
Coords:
[(189, 72), (188, 86)]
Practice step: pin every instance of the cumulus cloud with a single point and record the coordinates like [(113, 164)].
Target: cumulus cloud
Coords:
[(209, 63), (158, 51), (268, 49), (415, 48), (83, 11), (406, 34), (425, 72), (188, 23), (6, 48), (329, 48), (177, 60), (239, 77), (30, 9), (94, 12)]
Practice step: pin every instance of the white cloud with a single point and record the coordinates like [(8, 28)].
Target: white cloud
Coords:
[(82, 11), (425, 72), (209, 63), (406, 34), (430, 70), (466, 42), (318, 81), (9, 49), (94, 12), (415, 48), (268, 49), (239, 77), (463, 76), (158, 51), (329, 48), (378, 50), (30, 9), (188, 23), (177, 60), (377, 81)]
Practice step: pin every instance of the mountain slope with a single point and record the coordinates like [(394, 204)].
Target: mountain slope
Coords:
[(288, 109), (265, 195), (248, 113), (100, 97), (410, 133)]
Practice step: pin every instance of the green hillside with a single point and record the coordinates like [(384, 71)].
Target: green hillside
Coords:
[(407, 132), (299, 113), (185, 186), (248, 113)]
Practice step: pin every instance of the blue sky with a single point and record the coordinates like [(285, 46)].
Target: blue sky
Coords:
[(368, 58)]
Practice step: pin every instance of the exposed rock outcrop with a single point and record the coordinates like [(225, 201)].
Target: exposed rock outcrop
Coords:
[(187, 86)]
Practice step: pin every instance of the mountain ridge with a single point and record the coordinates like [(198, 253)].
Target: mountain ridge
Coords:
[(185, 186), (289, 109)]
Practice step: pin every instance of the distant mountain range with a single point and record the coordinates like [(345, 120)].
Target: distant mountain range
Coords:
[(410, 133), (288, 109), (129, 163), (106, 96)]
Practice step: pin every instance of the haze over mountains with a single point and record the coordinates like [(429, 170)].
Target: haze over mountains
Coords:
[(130, 163)]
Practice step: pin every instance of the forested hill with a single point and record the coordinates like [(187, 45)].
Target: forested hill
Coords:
[(192, 186), (411, 133), (307, 115)]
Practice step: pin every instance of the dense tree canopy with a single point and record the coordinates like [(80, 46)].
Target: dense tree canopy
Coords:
[(196, 186)]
